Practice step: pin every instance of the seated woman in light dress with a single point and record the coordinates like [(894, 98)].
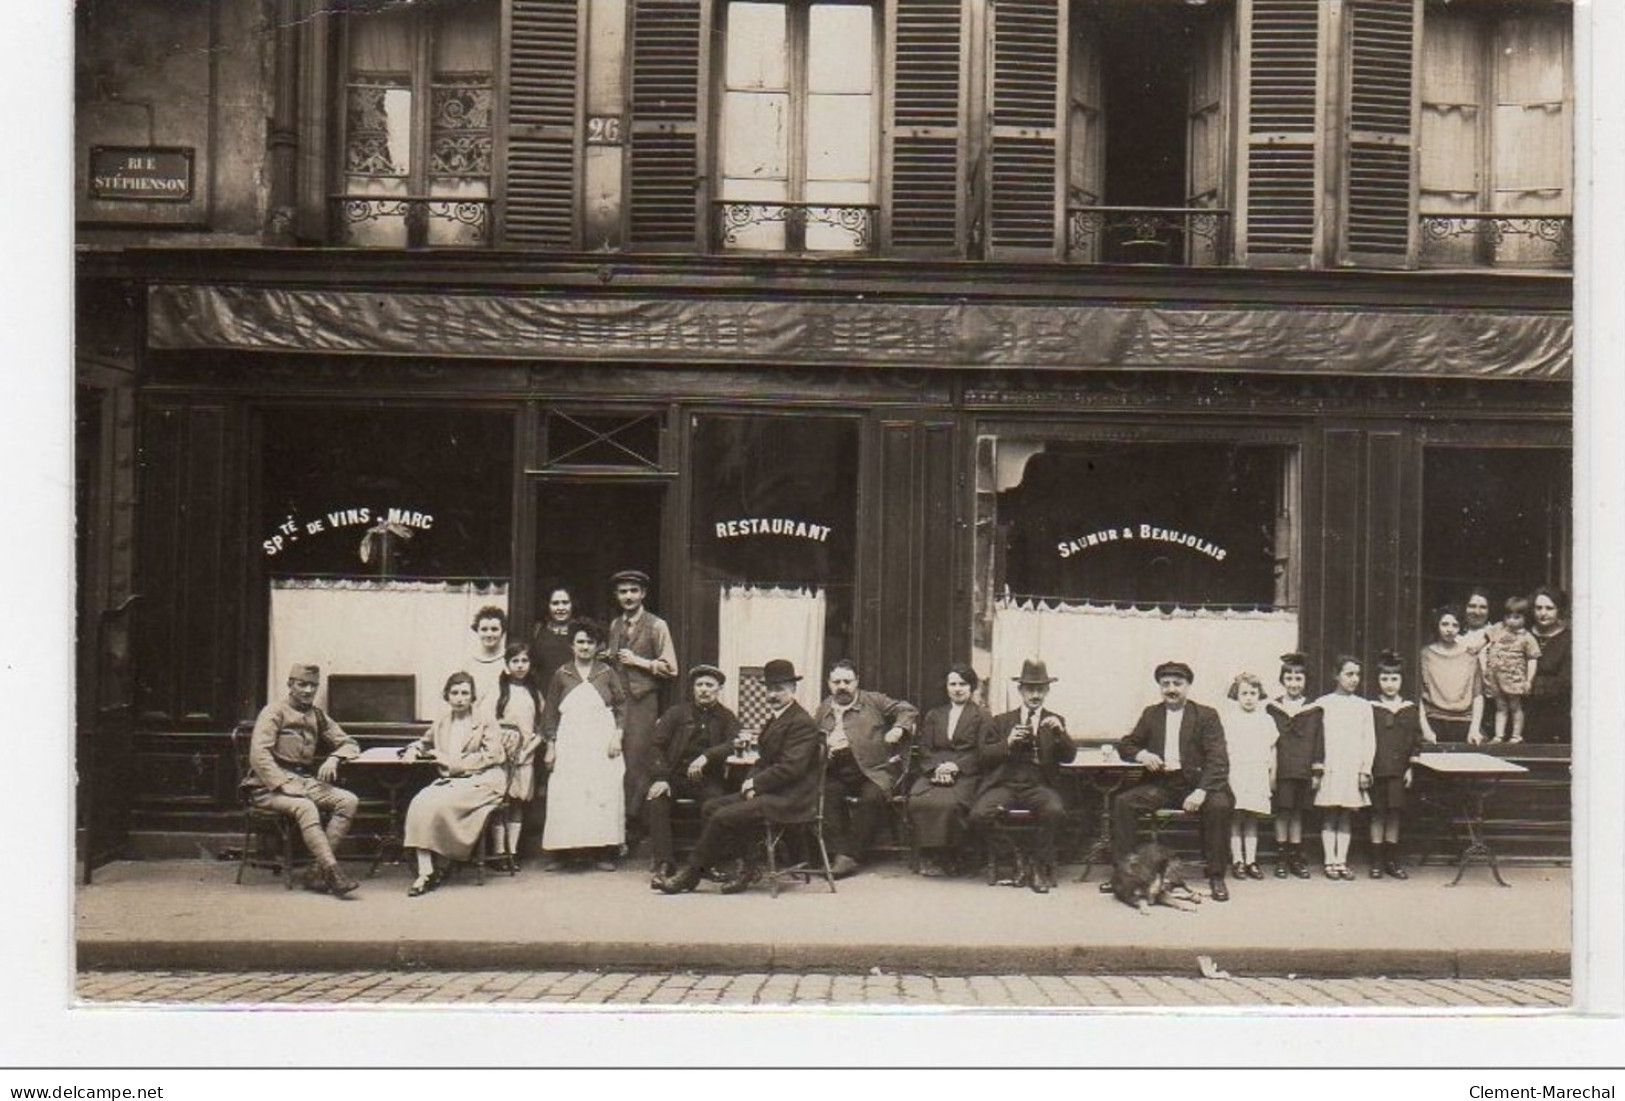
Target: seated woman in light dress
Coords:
[(444, 820)]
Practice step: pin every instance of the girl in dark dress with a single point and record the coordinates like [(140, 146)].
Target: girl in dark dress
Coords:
[(1399, 741), (1297, 748)]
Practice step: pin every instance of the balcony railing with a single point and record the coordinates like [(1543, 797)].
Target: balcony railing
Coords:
[(1535, 241), (748, 226), (1181, 236), (411, 221)]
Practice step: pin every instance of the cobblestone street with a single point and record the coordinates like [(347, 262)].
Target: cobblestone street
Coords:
[(818, 989)]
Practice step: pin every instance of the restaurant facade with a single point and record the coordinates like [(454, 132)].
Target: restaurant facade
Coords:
[(912, 331)]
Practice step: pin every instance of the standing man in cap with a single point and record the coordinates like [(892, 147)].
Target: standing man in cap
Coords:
[(640, 647), (863, 730), (782, 787), (1020, 759), (1181, 745), (281, 753), (692, 741)]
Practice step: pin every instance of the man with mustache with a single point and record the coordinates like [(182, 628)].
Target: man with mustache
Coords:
[(864, 732)]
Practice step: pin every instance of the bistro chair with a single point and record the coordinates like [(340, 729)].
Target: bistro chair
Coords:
[(1010, 848), (483, 858), (268, 840), (809, 833)]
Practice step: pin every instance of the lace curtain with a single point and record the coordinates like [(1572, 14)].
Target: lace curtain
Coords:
[(755, 625), (1104, 656), (366, 626)]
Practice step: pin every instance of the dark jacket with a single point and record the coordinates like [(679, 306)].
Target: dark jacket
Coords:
[(1399, 739), (1302, 741), (1002, 765), (1204, 762), (935, 748), (786, 772), (688, 731)]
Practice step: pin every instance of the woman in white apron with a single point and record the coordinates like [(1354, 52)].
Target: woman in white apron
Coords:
[(584, 717)]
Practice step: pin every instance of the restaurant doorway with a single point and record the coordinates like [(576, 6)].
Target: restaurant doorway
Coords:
[(587, 530)]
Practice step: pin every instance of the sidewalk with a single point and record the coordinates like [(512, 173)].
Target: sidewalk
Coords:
[(188, 914)]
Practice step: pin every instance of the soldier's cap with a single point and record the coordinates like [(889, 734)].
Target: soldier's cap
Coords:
[(302, 671)]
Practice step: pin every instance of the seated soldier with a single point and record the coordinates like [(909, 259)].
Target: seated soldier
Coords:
[(1020, 758), (691, 746), (281, 752)]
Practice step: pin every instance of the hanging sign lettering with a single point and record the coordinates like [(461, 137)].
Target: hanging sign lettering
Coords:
[(1143, 533), (124, 174), (794, 529)]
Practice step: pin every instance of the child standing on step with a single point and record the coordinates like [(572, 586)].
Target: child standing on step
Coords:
[(1343, 770), (1399, 742), (1510, 657), (517, 711), (1249, 737), (1298, 723)]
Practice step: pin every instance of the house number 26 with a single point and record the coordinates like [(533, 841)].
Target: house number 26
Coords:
[(604, 130)]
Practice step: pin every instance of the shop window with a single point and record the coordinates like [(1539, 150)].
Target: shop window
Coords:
[(1107, 558), (1148, 119), (1494, 518), (772, 540), (416, 146), (798, 134), (382, 532), (1496, 184)]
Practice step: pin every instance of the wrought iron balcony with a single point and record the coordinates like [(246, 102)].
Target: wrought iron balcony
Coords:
[(1535, 241), (1181, 236), (411, 221), (748, 225)]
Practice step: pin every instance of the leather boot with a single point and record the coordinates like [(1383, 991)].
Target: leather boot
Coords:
[(339, 883), (749, 873), (1394, 868), (686, 879)]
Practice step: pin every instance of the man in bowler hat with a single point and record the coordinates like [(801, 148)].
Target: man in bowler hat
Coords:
[(283, 776), (692, 741), (782, 787), (1020, 759), (1181, 745)]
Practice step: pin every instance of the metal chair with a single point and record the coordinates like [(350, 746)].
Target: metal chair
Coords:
[(261, 827), (809, 831), (1010, 842)]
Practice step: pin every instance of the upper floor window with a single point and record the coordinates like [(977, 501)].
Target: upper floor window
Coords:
[(416, 146), (1148, 115), (797, 137), (1496, 158)]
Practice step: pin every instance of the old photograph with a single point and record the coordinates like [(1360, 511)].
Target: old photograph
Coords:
[(1058, 505)]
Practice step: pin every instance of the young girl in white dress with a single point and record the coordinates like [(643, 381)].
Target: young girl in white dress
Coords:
[(1343, 772), (1249, 738), (516, 709)]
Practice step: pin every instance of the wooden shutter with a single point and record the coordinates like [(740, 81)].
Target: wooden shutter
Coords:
[(1085, 136), (925, 213), (1206, 125), (543, 68), (1025, 196), (1282, 153), (665, 164), (1380, 148)]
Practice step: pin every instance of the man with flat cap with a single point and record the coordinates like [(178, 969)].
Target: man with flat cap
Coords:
[(1020, 759), (692, 741), (1181, 745), (283, 777), (640, 648), (782, 787)]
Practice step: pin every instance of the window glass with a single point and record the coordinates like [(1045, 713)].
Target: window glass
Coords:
[(772, 539)]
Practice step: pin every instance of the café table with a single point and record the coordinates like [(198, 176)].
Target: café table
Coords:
[(1105, 773), (1469, 779), (383, 769)]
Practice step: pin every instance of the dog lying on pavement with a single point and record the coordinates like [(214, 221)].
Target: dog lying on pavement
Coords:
[(1150, 877)]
